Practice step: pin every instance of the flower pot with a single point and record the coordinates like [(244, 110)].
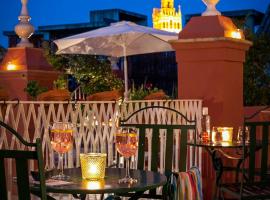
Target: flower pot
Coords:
[(54, 95), (105, 96), (159, 95)]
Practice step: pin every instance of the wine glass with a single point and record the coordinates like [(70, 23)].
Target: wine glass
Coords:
[(127, 145), (61, 136), (241, 134)]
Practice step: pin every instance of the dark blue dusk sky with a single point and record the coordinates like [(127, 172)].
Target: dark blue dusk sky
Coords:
[(49, 12)]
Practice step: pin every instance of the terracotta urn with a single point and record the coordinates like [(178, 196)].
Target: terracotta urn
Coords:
[(106, 96), (159, 95), (54, 95)]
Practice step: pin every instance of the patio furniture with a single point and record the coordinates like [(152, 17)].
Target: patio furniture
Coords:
[(185, 126), (189, 185), (79, 187), (218, 152), (22, 158), (255, 180)]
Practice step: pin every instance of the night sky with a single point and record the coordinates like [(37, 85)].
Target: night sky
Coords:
[(49, 12)]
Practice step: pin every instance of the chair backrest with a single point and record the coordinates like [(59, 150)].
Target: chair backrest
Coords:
[(156, 127), (21, 158), (257, 151)]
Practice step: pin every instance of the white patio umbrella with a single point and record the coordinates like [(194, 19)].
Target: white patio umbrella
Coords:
[(118, 40)]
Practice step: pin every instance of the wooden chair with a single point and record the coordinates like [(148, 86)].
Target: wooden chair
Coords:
[(254, 181), (22, 158), (156, 127)]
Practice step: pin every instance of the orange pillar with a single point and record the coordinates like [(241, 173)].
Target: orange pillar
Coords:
[(22, 64), (210, 67)]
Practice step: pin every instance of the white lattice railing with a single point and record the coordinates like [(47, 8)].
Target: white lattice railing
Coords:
[(78, 95), (95, 125)]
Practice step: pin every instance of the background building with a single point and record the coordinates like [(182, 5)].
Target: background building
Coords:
[(167, 18), (265, 25), (250, 18), (98, 19)]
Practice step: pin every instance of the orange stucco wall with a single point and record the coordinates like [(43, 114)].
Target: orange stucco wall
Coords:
[(210, 67), (213, 71), (31, 64)]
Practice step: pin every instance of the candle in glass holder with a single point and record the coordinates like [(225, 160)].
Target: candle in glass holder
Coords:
[(222, 134), (226, 133), (93, 165), (93, 184)]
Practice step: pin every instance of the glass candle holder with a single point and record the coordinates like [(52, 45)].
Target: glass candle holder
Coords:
[(222, 134), (93, 165), (94, 184), (226, 133)]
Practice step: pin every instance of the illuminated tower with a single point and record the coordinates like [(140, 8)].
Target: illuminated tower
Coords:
[(167, 18)]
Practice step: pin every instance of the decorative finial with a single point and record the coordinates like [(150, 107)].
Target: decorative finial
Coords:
[(24, 29), (211, 8)]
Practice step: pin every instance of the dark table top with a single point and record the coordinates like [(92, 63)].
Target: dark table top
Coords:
[(146, 180), (233, 144)]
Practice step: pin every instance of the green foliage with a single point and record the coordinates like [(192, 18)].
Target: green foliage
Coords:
[(60, 83), (93, 73), (141, 92), (33, 89), (257, 72)]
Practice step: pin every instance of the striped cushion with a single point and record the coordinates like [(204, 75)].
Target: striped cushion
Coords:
[(189, 185)]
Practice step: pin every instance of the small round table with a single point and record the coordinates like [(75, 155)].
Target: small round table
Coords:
[(80, 188), (218, 147)]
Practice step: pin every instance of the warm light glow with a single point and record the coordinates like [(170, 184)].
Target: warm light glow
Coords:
[(222, 135), (213, 139), (94, 185), (93, 165), (11, 66), (92, 169), (237, 34), (225, 135)]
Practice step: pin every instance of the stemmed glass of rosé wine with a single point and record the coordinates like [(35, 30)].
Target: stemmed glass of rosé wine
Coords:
[(61, 137), (126, 139)]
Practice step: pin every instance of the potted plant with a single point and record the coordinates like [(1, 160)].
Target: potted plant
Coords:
[(59, 93), (146, 92), (33, 89)]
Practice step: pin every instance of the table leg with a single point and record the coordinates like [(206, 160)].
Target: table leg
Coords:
[(218, 167)]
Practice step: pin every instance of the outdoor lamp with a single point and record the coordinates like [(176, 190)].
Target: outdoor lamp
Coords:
[(93, 165), (11, 66), (237, 34)]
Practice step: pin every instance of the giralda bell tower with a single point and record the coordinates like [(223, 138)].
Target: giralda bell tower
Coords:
[(167, 17)]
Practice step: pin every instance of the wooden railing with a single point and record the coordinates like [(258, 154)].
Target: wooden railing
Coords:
[(95, 122)]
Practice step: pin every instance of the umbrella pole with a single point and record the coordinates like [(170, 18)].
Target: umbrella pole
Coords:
[(125, 73)]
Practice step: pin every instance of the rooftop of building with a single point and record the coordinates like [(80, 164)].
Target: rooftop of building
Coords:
[(265, 25)]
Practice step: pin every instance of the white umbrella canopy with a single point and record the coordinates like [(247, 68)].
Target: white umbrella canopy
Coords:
[(118, 40)]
